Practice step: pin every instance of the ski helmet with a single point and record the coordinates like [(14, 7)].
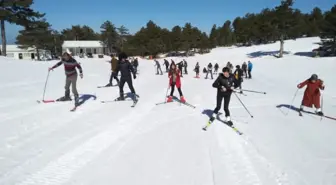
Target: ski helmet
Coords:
[(314, 77)]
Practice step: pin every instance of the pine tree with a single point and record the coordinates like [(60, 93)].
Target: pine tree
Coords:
[(109, 36), (37, 35), (328, 29), (16, 12)]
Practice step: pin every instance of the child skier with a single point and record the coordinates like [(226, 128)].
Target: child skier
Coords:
[(312, 93), (158, 67), (216, 67), (175, 80), (70, 65), (244, 68), (223, 84), (209, 71), (114, 75)]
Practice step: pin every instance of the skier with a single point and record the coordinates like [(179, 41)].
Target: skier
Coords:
[(209, 71), (224, 84), (216, 68), (312, 93), (205, 70), (197, 70), (114, 63), (166, 63), (249, 68), (185, 65), (244, 68), (180, 67), (175, 80), (125, 68), (135, 65), (70, 65), (158, 67), (230, 66), (238, 76)]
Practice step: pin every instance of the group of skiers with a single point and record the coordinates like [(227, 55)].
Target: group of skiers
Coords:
[(226, 83), (181, 65)]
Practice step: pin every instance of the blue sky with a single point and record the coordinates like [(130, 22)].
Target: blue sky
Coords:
[(166, 13)]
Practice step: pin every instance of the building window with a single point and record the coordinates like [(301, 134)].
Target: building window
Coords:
[(94, 51)]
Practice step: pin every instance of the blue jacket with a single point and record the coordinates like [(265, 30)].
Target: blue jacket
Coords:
[(250, 66)]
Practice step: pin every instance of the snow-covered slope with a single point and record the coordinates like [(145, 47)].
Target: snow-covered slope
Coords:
[(112, 143)]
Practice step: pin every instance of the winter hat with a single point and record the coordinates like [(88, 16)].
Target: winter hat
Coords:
[(122, 55), (237, 66), (313, 77), (226, 69)]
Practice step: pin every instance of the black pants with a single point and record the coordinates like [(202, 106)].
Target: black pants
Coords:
[(226, 104), (249, 74), (129, 82), (185, 70), (180, 68), (114, 76), (238, 84), (173, 89), (209, 71), (167, 68), (158, 69)]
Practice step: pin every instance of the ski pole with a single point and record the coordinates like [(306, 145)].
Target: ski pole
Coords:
[(45, 85), (167, 92), (243, 105), (253, 91), (291, 105), (321, 104)]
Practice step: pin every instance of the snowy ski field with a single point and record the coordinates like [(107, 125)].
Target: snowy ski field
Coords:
[(112, 143)]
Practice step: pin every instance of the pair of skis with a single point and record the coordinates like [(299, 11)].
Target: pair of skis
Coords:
[(225, 122), (135, 100), (54, 101), (184, 103), (312, 113)]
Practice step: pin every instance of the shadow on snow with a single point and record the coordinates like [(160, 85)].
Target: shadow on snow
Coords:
[(85, 97), (265, 53)]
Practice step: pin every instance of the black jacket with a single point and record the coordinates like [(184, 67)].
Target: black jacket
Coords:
[(244, 67), (125, 69), (238, 74), (227, 83)]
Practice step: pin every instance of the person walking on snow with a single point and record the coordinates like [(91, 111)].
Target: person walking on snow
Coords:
[(185, 65), (175, 80), (209, 71), (223, 84), (135, 65), (166, 63), (238, 76), (216, 67), (244, 68), (312, 93), (180, 67), (126, 69), (70, 65), (158, 67), (197, 70), (249, 68), (114, 75)]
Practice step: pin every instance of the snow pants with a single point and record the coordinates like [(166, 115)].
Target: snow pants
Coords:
[(227, 99), (173, 89), (209, 71), (71, 81), (114, 75), (158, 69), (129, 82)]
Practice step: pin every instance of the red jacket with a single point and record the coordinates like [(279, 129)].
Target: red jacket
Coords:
[(178, 77), (312, 93)]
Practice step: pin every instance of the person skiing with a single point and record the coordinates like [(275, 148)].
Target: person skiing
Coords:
[(166, 63), (223, 84), (135, 65), (238, 76), (209, 71), (70, 65), (197, 70), (244, 68), (175, 80), (249, 68), (185, 65), (114, 75), (216, 67), (158, 67), (312, 93), (126, 69)]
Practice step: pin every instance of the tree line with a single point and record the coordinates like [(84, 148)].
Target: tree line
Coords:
[(268, 26)]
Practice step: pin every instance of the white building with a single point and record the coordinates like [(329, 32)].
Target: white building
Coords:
[(14, 51), (83, 47)]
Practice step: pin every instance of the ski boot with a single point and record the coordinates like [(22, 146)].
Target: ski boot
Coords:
[(182, 99), (64, 98), (319, 112), (170, 99), (76, 101), (228, 121)]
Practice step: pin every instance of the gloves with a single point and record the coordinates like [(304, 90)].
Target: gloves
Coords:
[(321, 82), (81, 75), (50, 69), (134, 76)]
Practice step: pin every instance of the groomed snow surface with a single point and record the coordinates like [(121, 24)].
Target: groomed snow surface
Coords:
[(112, 143)]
